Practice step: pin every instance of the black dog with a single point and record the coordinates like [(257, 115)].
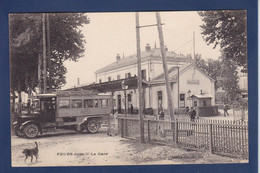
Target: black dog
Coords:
[(31, 152)]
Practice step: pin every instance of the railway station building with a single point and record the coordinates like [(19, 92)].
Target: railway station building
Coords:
[(190, 86)]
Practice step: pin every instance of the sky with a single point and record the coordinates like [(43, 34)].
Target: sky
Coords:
[(108, 34)]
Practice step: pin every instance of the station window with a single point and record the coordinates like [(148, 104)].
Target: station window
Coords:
[(64, 104), (127, 75), (160, 98), (144, 74), (195, 104), (109, 79), (88, 103), (182, 97), (182, 100), (204, 103), (76, 103)]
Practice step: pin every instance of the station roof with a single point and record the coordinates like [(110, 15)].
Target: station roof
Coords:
[(110, 86), (202, 96), (153, 54), (46, 95), (173, 72)]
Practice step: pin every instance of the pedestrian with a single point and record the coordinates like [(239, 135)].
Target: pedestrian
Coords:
[(161, 113), (131, 109), (192, 114), (226, 108)]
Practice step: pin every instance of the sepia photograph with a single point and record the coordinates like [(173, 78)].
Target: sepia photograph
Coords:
[(128, 88)]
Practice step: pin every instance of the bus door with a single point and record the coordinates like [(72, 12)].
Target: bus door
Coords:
[(48, 109)]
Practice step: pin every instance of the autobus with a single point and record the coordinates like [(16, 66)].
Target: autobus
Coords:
[(79, 110)]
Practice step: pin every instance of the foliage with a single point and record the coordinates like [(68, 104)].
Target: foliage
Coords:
[(223, 71), (66, 42), (227, 28)]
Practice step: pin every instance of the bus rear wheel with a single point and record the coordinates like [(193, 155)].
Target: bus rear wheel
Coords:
[(92, 126)]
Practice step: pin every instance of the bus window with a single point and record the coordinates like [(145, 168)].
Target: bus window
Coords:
[(64, 104), (96, 103), (76, 103), (88, 103), (103, 103), (100, 102)]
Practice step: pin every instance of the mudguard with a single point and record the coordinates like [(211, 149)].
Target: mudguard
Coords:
[(31, 121), (84, 120)]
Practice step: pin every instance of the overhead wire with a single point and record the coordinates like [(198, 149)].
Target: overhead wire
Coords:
[(183, 45)]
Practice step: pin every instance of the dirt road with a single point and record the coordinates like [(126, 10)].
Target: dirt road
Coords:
[(72, 149)]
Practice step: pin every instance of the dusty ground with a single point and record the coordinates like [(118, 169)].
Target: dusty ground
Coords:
[(71, 149)]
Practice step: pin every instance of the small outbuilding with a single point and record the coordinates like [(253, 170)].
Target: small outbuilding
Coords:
[(202, 103)]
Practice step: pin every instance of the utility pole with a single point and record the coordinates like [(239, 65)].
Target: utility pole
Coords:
[(165, 67), (49, 49), (40, 71), (140, 89), (44, 53)]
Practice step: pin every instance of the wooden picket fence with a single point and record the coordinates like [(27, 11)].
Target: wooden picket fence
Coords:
[(224, 137)]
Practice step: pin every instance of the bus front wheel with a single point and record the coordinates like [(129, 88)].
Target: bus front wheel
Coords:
[(92, 126), (31, 130)]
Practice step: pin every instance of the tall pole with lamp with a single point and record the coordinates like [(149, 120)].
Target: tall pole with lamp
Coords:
[(139, 81)]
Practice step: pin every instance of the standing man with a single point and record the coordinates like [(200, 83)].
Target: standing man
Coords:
[(131, 109), (226, 110), (161, 113), (29, 106), (192, 114)]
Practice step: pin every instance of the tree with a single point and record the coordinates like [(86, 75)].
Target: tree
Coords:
[(227, 28), (223, 71), (67, 43)]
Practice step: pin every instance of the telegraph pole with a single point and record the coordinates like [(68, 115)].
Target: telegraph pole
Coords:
[(49, 49), (44, 53), (165, 67), (40, 71), (140, 89)]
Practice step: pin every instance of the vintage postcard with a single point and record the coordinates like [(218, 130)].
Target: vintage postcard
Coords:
[(129, 88)]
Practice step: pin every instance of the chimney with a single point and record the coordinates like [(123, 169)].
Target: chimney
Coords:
[(147, 47), (117, 57), (166, 48)]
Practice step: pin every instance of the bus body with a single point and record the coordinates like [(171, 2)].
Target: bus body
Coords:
[(79, 110)]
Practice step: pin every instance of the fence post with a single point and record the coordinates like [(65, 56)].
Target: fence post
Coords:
[(122, 127), (173, 130), (210, 139), (176, 131), (148, 129), (109, 125)]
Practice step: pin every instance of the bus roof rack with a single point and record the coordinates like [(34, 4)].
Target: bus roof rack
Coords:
[(76, 93)]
